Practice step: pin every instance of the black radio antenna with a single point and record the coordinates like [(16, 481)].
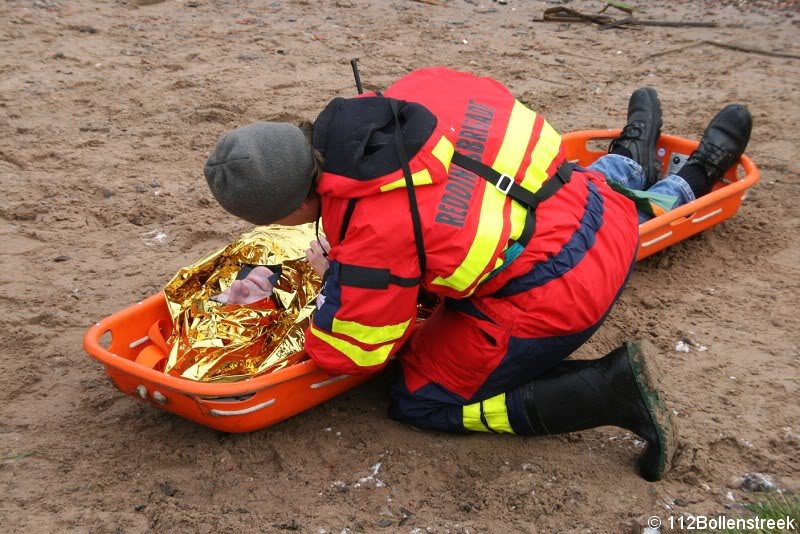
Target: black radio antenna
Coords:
[(354, 64)]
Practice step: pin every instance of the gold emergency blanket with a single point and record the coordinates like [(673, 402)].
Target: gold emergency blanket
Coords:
[(228, 342)]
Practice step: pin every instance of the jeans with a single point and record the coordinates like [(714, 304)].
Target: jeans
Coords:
[(628, 173)]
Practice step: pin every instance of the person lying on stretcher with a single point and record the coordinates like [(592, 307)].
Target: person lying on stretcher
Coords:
[(449, 184), (258, 283)]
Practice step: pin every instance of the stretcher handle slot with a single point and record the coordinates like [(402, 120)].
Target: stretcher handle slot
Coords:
[(682, 220), (597, 145), (106, 339), (230, 398)]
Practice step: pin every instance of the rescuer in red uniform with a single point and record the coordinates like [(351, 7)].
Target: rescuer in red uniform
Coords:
[(447, 184)]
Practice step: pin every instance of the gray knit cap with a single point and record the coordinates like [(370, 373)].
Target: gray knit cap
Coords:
[(261, 172)]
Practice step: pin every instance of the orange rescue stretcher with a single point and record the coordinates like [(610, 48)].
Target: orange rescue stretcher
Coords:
[(270, 398)]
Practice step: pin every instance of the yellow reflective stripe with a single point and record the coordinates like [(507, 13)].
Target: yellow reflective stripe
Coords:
[(510, 157), (361, 357), (515, 142), (490, 224), (496, 413), (543, 154), (443, 151), (512, 152), (370, 335), (422, 177), (471, 418)]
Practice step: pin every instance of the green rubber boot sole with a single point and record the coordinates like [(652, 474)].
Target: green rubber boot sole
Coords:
[(656, 460)]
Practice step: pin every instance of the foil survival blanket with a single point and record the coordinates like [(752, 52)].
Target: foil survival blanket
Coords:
[(227, 342)]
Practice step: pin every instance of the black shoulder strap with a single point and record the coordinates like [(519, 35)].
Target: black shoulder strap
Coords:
[(348, 213), (506, 185), (375, 278), (412, 195)]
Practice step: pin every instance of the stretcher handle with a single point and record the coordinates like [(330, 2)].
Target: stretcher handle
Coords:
[(242, 411)]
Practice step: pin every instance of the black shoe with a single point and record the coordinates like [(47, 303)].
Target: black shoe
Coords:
[(723, 142), (639, 136), (618, 389)]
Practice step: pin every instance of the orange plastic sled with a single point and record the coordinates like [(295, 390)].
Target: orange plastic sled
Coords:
[(268, 399)]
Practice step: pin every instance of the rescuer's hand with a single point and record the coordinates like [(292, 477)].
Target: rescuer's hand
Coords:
[(316, 255)]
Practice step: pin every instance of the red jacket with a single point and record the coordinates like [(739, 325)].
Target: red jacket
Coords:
[(367, 307)]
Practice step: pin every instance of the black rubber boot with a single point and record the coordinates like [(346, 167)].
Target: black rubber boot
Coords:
[(638, 138), (617, 390), (723, 142)]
